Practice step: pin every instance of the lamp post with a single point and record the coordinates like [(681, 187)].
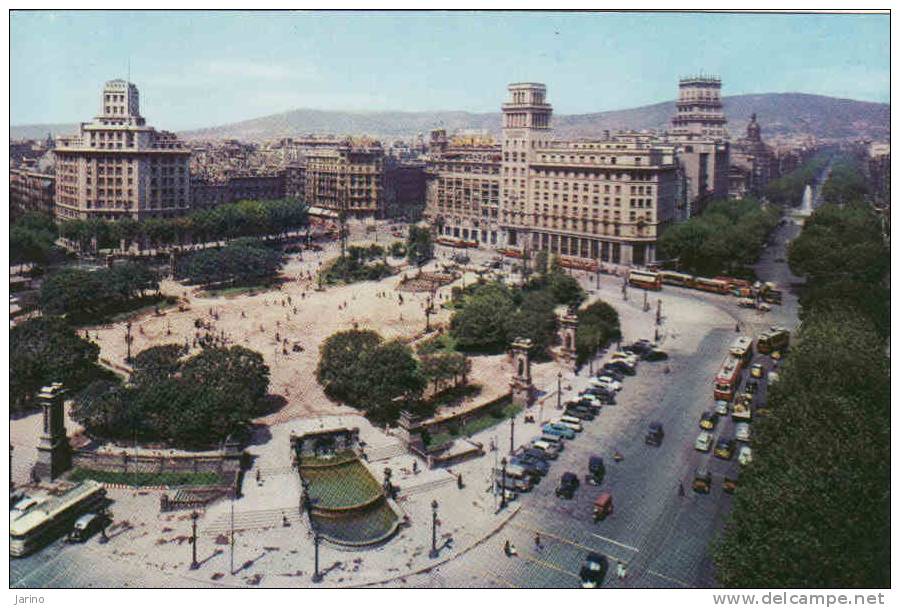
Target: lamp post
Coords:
[(559, 390), (512, 433), (646, 303), (659, 311), (128, 340), (194, 564), (503, 484), (434, 552), (308, 503)]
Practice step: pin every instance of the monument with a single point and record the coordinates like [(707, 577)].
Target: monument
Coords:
[(521, 387), (54, 453), (569, 324)]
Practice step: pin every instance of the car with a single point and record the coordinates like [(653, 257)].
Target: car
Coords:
[(606, 381), (702, 481), (568, 484), (593, 571), (776, 355), (655, 434), (742, 432), (597, 469), (721, 407), (570, 422), (704, 441), (641, 346), (627, 357), (655, 355), (582, 413), (86, 526), (751, 387), (708, 420), (745, 455), (593, 402), (551, 450), (612, 373), (558, 430), (600, 394), (620, 366), (535, 467), (535, 453), (724, 448)]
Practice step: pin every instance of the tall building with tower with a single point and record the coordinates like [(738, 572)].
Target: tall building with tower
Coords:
[(698, 130), (117, 166)]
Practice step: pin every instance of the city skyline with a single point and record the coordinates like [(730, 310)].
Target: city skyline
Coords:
[(192, 84)]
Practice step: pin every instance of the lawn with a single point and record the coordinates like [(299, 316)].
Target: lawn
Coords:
[(147, 479), (501, 412)]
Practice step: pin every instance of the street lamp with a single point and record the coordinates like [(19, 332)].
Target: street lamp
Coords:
[(503, 485), (512, 433), (659, 311), (128, 340), (559, 390), (194, 516), (307, 501), (434, 552)]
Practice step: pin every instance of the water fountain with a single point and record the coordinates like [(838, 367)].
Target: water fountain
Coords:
[(806, 204)]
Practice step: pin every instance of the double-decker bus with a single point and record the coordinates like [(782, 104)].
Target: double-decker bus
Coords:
[(728, 379), (38, 520), (670, 277), (742, 349), (777, 338), (645, 279), (713, 285)]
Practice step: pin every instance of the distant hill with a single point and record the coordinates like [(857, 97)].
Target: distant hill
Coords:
[(778, 114)]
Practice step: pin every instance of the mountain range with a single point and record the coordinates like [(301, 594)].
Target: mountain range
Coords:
[(779, 114)]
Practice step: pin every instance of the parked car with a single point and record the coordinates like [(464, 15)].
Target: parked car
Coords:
[(86, 526), (620, 366), (593, 571), (702, 481), (601, 394), (742, 432), (751, 387), (559, 430), (597, 469), (655, 434), (757, 370), (627, 357), (536, 467), (745, 455), (607, 383), (612, 373), (549, 449), (721, 407), (704, 441), (655, 355), (568, 484), (569, 422), (724, 448), (582, 413), (708, 420), (641, 346), (603, 506)]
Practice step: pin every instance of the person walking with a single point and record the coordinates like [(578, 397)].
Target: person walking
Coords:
[(680, 489), (537, 542), (621, 572)]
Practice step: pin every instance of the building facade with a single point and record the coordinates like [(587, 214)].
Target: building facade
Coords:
[(31, 190), (118, 167), (346, 177), (753, 163), (606, 200), (698, 130)]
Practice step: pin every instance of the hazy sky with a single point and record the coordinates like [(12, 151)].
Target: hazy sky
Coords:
[(206, 68)]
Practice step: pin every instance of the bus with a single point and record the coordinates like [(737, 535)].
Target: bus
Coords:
[(777, 338), (742, 349), (670, 277), (645, 279), (727, 379), (713, 285), (38, 520)]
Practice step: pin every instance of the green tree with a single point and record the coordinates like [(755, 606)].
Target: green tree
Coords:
[(419, 245), (338, 358), (156, 363), (44, 350), (484, 321), (73, 290), (393, 379), (130, 280), (598, 325), (236, 371)]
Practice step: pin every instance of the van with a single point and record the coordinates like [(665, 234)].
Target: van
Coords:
[(85, 527)]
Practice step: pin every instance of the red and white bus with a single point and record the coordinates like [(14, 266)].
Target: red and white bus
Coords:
[(645, 279), (728, 379), (670, 277), (713, 285)]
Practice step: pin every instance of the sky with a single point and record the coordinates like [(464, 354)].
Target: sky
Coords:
[(202, 68)]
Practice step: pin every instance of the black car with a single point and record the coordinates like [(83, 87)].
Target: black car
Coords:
[(655, 355), (600, 392), (620, 366), (597, 469), (535, 453), (614, 374), (640, 347), (568, 483), (582, 413), (593, 571), (535, 467), (654, 434)]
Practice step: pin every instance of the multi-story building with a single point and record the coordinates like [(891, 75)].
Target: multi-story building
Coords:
[(698, 129), (605, 200), (347, 177), (31, 190), (463, 188), (753, 163), (879, 170), (117, 166), (404, 189), (206, 193)]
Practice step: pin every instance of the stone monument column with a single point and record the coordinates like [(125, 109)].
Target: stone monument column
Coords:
[(54, 452), (569, 324), (521, 387)]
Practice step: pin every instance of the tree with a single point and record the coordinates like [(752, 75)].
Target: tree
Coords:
[(236, 371), (598, 325), (338, 357), (45, 350), (392, 378), (27, 245), (156, 363), (239, 262), (535, 319), (130, 280), (73, 290), (100, 407), (419, 245), (484, 321)]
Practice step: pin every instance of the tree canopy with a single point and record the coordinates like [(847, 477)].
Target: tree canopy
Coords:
[(244, 261), (419, 245), (87, 293)]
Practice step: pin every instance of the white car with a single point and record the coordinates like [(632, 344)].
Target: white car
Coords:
[(722, 407), (566, 421), (629, 358), (704, 441), (745, 454), (610, 382), (742, 432)]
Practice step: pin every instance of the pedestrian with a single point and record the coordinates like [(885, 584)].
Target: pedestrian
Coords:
[(459, 481), (537, 541), (680, 489), (415, 466), (621, 572)]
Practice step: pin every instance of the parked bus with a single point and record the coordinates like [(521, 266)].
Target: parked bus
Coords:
[(777, 338), (742, 349), (728, 379), (713, 285), (670, 277), (38, 520), (644, 279)]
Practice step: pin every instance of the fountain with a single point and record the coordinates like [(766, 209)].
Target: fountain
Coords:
[(806, 204)]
